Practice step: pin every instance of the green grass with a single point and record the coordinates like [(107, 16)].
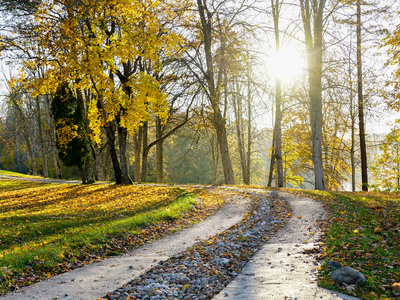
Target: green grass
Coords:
[(47, 229), (15, 174), (364, 234)]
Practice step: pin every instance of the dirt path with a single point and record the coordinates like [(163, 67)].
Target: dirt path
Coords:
[(280, 269)]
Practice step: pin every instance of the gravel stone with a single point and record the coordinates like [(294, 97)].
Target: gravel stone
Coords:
[(203, 270)]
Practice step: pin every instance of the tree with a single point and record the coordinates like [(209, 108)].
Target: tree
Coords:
[(276, 7), (312, 13), (214, 80), (386, 167), (72, 140), (108, 49), (363, 148)]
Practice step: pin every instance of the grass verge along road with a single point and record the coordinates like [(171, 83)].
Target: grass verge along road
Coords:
[(47, 229)]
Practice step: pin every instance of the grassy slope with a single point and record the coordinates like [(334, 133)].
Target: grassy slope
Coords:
[(364, 233), (15, 174), (47, 229)]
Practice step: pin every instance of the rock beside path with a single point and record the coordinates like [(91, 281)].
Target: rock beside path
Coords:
[(334, 265), (348, 275)]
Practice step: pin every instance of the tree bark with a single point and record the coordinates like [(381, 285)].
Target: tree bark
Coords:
[(110, 133), (82, 172), (89, 170), (278, 133), (145, 153), (100, 170), (159, 152), (314, 43), (276, 6), (273, 157), (138, 151), (107, 164), (363, 148), (122, 139)]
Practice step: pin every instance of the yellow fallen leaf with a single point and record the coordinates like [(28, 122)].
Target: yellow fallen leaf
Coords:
[(355, 230), (396, 286)]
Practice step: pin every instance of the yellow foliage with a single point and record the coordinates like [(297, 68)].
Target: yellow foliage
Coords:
[(100, 47), (65, 132)]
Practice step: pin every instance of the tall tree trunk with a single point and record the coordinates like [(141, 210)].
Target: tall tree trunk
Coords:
[(273, 157), (278, 133), (100, 168), (215, 159), (110, 133), (90, 178), (352, 147), (159, 152), (276, 6), (214, 95), (107, 164), (41, 139), (249, 133), (314, 43), (122, 139), (82, 172), (145, 153), (138, 151), (363, 148), (239, 135)]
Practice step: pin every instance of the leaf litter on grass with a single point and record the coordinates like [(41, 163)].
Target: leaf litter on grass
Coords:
[(362, 231), (47, 230)]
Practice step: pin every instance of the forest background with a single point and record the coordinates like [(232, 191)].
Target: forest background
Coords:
[(202, 91)]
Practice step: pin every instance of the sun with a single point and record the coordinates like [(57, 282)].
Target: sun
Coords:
[(286, 65)]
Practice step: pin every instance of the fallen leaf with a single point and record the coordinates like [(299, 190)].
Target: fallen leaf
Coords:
[(396, 286)]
